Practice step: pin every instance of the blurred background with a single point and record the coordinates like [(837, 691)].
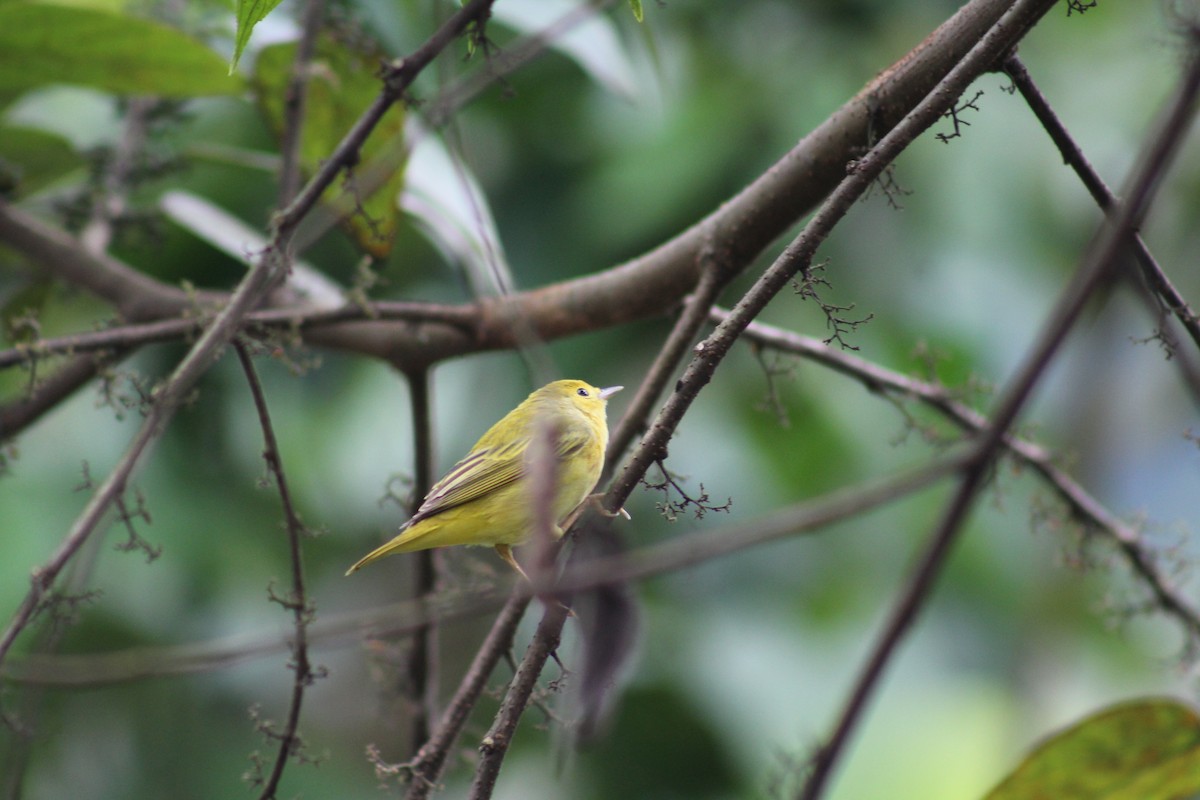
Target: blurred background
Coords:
[(743, 662)]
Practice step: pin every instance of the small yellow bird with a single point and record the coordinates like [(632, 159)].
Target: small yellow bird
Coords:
[(485, 499)]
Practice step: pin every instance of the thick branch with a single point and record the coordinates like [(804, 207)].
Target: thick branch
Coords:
[(740, 228)]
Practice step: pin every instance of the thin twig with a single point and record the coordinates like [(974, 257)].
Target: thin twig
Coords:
[(670, 355), (499, 65), (397, 77), (297, 601), (495, 743), (1073, 156), (426, 769), (348, 629), (123, 336), (46, 393), (1079, 502), (295, 102)]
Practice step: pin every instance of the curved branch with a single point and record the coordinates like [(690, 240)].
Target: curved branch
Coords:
[(740, 229), (136, 296), (297, 601)]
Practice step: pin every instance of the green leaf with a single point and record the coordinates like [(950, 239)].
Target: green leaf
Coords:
[(636, 7), (1146, 750), (341, 85), (30, 159), (47, 44), (249, 14)]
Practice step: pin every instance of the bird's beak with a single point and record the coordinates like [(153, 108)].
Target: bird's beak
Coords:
[(609, 391)]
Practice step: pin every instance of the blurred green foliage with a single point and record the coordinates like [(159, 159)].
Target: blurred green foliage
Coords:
[(743, 662)]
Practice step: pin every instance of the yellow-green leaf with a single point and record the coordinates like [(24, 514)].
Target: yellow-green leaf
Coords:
[(47, 44), (1145, 750), (341, 85), (249, 14), (30, 159), (636, 7)]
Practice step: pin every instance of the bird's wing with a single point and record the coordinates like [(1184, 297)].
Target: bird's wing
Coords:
[(482, 471), (486, 469)]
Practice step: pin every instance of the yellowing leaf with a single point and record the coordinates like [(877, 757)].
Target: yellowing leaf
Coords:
[(341, 85)]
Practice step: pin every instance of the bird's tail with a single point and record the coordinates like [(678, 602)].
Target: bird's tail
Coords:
[(399, 544)]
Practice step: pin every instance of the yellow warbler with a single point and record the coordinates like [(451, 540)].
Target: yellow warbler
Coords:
[(485, 499)]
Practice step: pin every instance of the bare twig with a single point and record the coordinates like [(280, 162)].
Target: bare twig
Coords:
[(124, 336), (693, 549), (397, 77), (498, 65), (670, 355), (1079, 502), (495, 743), (297, 601), (46, 393), (329, 630), (295, 102), (426, 769), (1096, 266), (1073, 156)]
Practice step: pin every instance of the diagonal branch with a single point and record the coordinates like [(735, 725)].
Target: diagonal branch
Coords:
[(1097, 266), (1073, 156), (426, 768), (1080, 503)]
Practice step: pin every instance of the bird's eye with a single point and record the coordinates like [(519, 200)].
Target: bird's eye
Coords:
[(581, 392)]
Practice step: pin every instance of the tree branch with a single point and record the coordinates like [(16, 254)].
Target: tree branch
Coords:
[(297, 601), (1073, 157), (1079, 502), (420, 668), (426, 769), (742, 227), (1096, 266)]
